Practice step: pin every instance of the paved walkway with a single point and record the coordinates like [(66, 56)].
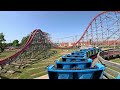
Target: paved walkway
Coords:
[(43, 77)]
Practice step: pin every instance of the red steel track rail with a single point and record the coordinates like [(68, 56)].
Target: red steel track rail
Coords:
[(21, 50)]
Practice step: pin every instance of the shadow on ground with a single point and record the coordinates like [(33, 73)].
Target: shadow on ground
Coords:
[(1, 77)]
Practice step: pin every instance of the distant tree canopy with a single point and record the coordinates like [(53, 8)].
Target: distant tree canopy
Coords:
[(24, 40), (8, 44), (2, 39), (15, 43), (2, 43)]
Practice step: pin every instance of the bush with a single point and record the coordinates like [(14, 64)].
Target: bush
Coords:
[(1, 49)]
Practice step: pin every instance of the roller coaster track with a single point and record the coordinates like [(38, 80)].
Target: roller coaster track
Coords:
[(21, 50), (36, 44), (104, 28)]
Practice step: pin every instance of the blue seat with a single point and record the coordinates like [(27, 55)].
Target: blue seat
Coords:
[(89, 73), (68, 59), (77, 65)]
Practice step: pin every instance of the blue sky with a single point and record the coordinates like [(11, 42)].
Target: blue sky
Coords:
[(59, 24)]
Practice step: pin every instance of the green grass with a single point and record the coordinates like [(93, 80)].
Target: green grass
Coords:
[(118, 70), (6, 54), (117, 60), (28, 71), (37, 69), (106, 70)]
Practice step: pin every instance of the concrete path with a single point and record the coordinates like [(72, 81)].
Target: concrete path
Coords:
[(43, 77)]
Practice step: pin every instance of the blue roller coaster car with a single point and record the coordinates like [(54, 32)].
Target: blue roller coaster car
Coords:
[(68, 59), (74, 65), (118, 77), (75, 56), (86, 73)]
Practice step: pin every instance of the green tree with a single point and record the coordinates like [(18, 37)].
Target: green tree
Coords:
[(4, 45), (8, 44), (2, 40), (15, 43), (24, 40)]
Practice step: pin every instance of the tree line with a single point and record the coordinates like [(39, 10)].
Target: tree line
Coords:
[(15, 43)]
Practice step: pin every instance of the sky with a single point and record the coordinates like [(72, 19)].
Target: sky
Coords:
[(59, 24)]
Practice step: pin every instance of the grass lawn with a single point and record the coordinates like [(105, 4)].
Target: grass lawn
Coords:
[(113, 68), (6, 54), (118, 70), (117, 60), (37, 69)]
